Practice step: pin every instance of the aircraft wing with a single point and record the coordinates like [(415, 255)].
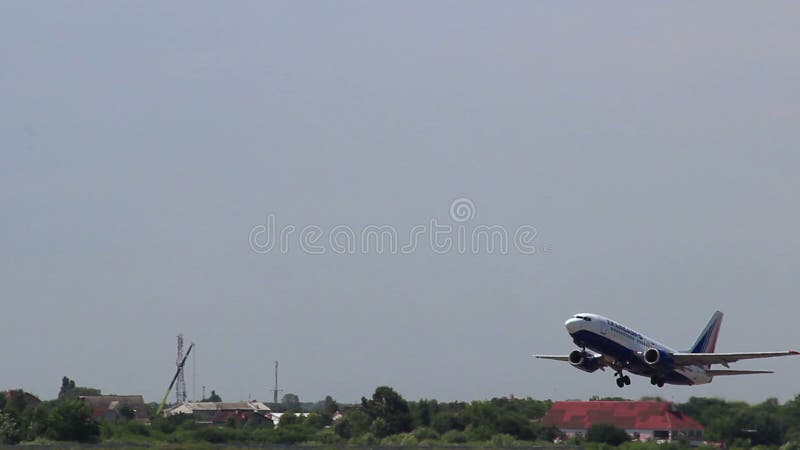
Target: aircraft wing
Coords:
[(564, 358), (701, 359), (718, 373)]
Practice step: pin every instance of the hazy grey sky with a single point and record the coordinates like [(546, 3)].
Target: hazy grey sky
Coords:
[(653, 147)]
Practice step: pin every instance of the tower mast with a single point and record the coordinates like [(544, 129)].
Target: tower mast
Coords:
[(276, 390), (180, 387)]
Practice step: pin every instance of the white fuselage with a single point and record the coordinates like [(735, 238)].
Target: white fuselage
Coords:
[(623, 347)]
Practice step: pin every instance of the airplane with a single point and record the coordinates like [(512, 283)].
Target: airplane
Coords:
[(606, 343)]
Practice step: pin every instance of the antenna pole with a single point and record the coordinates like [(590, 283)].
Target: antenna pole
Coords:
[(276, 390), (194, 376)]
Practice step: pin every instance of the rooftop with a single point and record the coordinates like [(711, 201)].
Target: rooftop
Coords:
[(191, 407), (628, 415)]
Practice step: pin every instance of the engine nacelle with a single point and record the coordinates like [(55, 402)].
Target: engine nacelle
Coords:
[(584, 362), (657, 357)]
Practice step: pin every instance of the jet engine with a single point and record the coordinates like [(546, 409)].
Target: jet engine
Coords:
[(657, 357), (584, 361)]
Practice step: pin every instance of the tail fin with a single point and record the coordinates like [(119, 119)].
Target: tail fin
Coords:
[(707, 341)]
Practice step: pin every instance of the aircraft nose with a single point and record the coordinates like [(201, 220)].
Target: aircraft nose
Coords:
[(573, 325)]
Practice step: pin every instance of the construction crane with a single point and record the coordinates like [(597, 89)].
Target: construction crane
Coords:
[(175, 378)]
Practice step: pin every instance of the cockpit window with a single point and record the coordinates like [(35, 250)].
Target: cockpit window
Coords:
[(586, 318)]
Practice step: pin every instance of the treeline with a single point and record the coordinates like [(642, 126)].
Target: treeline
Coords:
[(740, 424), (64, 419), (385, 418)]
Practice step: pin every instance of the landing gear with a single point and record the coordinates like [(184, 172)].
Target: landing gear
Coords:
[(657, 381), (622, 380)]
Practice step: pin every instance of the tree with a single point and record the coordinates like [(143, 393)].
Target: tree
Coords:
[(9, 432), (318, 420), (423, 411), (724, 420), (445, 421), (391, 408), (291, 403), (214, 397), (343, 428), (328, 407), (71, 420), (501, 416), (66, 386), (37, 420), (70, 391), (15, 402), (354, 423), (607, 434)]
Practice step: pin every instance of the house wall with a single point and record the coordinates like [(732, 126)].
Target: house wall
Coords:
[(695, 437)]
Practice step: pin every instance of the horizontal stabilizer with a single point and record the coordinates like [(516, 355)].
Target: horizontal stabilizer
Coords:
[(719, 373)]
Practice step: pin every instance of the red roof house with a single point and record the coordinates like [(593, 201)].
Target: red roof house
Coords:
[(643, 420)]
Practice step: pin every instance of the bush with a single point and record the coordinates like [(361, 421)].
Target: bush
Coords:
[(181, 437), (71, 420), (479, 433), (400, 440), (409, 440), (137, 428), (291, 435), (366, 439), (651, 445), (327, 436), (503, 440), (262, 435), (212, 434), (546, 433), (425, 433), (170, 424), (607, 434), (454, 437)]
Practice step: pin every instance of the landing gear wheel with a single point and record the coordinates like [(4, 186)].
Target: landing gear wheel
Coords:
[(626, 379), (620, 382), (653, 381), (660, 383)]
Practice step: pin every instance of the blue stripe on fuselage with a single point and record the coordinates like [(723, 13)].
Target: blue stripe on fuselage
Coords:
[(633, 362)]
